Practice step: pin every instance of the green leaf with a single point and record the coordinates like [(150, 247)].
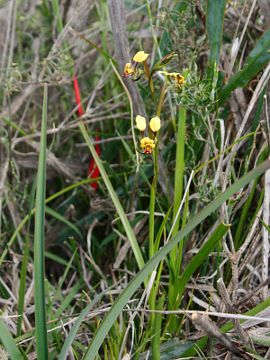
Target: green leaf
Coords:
[(157, 329), (258, 58), (39, 257), (179, 166), (9, 343), (23, 272), (171, 349), (214, 28), (124, 297)]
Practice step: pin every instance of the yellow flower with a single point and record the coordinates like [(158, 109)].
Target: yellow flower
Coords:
[(128, 70), (140, 56), (177, 77), (140, 122), (147, 145), (155, 124)]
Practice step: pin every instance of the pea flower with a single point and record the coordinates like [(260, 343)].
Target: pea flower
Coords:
[(147, 145), (132, 69), (175, 76), (129, 70), (155, 124), (140, 122), (140, 56)]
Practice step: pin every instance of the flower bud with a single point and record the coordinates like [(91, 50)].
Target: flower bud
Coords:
[(140, 122), (155, 124)]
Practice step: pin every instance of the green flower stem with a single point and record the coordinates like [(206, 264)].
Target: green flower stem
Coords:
[(39, 238), (176, 253), (152, 229), (152, 205), (157, 329), (152, 247)]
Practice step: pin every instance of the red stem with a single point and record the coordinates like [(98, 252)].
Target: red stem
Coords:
[(93, 170)]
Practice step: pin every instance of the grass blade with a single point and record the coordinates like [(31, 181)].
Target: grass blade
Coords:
[(214, 27), (39, 272), (161, 254), (9, 343), (178, 183), (256, 60), (157, 329), (73, 332), (179, 167), (23, 273)]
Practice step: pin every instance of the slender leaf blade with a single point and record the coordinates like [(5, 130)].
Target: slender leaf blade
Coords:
[(39, 262), (9, 343), (258, 58), (214, 27)]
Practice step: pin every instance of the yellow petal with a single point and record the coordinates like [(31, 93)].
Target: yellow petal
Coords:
[(140, 56), (155, 124), (128, 70), (147, 145), (140, 122), (179, 79), (176, 76), (165, 73)]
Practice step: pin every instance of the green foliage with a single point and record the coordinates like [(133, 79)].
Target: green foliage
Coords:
[(214, 27), (153, 262), (257, 59), (9, 343)]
